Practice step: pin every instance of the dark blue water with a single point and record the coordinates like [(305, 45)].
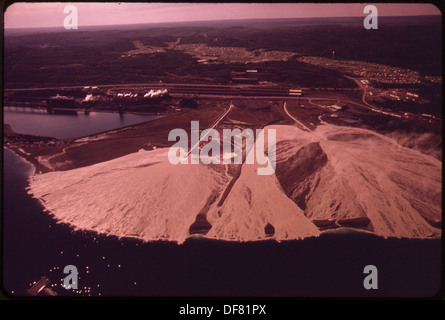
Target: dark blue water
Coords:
[(34, 245)]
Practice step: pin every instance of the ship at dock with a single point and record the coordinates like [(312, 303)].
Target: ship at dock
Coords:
[(61, 101)]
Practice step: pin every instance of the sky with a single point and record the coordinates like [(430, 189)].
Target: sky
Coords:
[(35, 14)]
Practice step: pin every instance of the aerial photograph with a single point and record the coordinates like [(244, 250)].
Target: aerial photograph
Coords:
[(221, 150)]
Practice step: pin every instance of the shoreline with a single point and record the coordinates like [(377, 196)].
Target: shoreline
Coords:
[(336, 232), (92, 110), (32, 157), (71, 153), (37, 166), (116, 143)]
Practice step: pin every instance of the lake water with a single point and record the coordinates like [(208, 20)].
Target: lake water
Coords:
[(35, 245), (39, 122)]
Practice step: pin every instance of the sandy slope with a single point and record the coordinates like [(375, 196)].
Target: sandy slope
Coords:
[(140, 194), (350, 176), (143, 195), (254, 202), (355, 173)]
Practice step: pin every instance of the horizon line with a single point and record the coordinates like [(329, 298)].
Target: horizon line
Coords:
[(219, 20)]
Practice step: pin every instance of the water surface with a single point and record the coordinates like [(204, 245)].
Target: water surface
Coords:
[(39, 122), (35, 245)]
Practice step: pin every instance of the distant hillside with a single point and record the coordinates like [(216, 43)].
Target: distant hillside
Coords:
[(407, 42), (50, 56)]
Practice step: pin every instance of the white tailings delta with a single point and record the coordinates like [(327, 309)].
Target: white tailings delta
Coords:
[(336, 173)]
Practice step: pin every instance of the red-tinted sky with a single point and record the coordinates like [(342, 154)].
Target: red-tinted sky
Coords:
[(28, 15)]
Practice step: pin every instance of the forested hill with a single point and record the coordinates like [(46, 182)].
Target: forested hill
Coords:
[(92, 55)]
